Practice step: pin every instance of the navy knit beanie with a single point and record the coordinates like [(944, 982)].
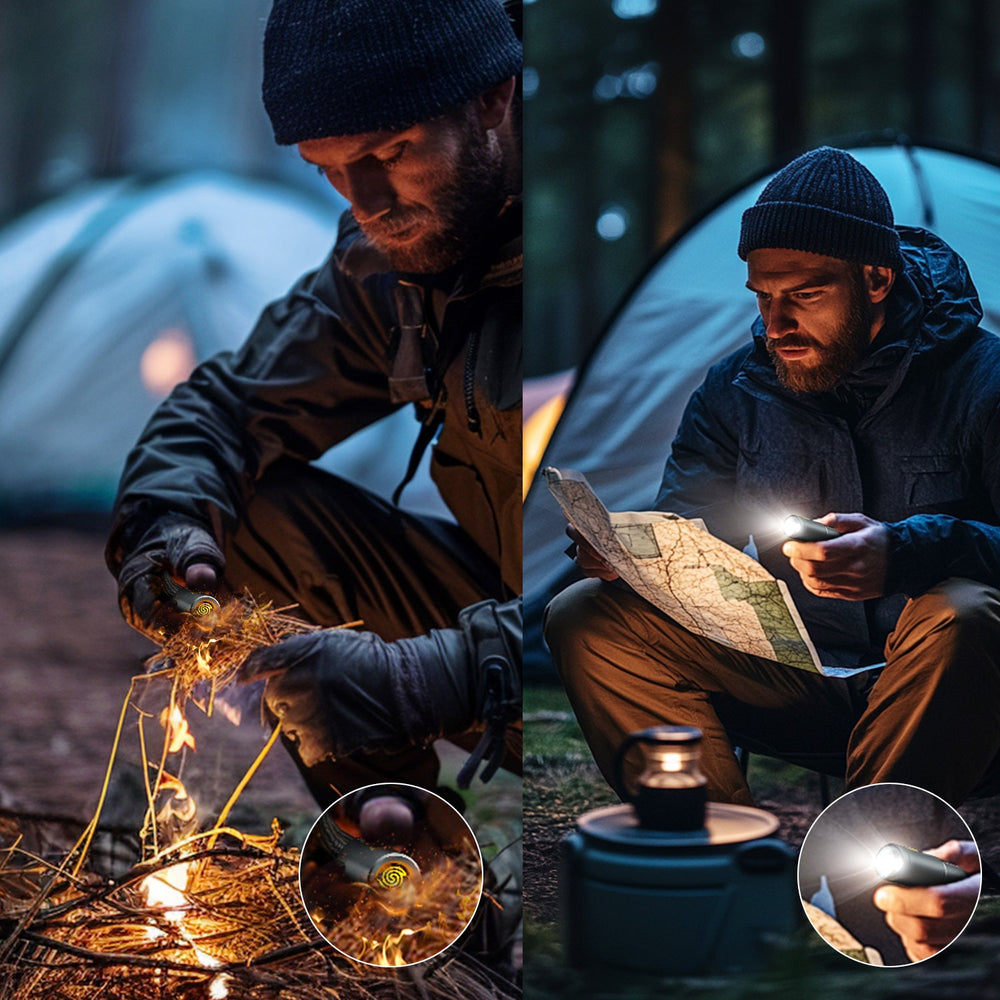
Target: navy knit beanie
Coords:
[(343, 67), (824, 202)]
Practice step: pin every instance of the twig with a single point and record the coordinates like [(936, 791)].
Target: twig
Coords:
[(121, 958), (244, 782)]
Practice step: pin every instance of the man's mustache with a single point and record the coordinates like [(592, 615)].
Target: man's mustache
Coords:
[(793, 340), (388, 226)]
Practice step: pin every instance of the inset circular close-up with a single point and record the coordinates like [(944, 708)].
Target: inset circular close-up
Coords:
[(889, 874), (391, 874)]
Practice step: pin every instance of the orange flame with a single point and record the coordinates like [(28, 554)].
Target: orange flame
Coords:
[(166, 890), (178, 734)]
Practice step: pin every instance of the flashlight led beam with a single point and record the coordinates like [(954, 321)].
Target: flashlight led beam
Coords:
[(199, 605), (802, 529), (361, 863), (906, 866)]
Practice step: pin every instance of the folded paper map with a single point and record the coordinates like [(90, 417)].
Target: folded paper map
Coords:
[(701, 582)]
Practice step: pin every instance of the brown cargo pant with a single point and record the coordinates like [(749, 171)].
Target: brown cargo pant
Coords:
[(340, 553), (931, 718)]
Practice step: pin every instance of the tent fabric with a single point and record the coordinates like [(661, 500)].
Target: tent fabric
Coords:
[(691, 310), (88, 282)]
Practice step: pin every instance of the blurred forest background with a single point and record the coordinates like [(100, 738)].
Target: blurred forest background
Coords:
[(641, 114), (103, 88)]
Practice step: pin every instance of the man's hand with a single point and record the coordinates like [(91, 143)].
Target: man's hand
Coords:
[(927, 918), (587, 558), (174, 544), (852, 567), (338, 692)]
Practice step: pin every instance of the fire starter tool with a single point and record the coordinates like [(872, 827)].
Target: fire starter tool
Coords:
[(361, 863), (199, 605)]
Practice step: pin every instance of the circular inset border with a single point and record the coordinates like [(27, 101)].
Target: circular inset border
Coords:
[(837, 859), (389, 902)]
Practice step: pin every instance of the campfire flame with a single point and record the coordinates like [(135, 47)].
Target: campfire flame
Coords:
[(165, 891), (411, 924), (176, 725)]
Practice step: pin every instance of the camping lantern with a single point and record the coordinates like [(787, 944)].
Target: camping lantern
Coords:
[(668, 883), (671, 788)]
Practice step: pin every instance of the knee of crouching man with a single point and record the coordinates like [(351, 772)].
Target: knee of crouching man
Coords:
[(568, 615), (959, 603)]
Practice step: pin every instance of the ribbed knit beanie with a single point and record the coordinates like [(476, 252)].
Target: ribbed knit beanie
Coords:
[(824, 202), (343, 67)]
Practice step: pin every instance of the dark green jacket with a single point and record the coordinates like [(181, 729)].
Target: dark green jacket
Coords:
[(351, 342)]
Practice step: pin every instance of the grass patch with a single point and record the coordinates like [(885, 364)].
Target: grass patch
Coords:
[(562, 782)]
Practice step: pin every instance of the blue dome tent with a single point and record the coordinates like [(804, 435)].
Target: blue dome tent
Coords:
[(690, 310), (111, 294)]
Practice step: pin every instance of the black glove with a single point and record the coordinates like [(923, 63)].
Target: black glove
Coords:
[(338, 692), (180, 546)]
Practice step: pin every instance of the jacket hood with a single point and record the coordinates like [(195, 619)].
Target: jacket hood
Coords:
[(933, 304), (935, 300)]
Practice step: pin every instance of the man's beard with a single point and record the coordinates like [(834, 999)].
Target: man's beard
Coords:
[(837, 358), (464, 205)]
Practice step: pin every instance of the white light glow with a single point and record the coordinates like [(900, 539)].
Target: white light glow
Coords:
[(889, 861), (790, 525), (529, 82), (628, 9), (749, 45)]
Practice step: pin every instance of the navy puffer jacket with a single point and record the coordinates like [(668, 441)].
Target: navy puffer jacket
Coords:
[(911, 438)]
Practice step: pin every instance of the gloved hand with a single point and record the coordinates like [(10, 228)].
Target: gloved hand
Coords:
[(180, 546), (338, 692)]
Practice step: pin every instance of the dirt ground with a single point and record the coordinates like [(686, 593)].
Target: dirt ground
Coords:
[(66, 664)]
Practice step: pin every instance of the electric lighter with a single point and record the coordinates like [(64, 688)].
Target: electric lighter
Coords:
[(361, 863), (199, 605)]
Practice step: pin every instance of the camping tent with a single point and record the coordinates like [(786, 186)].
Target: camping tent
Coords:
[(690, 310), (108, 297)]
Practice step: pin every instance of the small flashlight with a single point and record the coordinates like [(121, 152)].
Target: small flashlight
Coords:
[(802, 529), (906, 866), (361, 863)]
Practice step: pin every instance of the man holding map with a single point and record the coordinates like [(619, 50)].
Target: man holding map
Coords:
[(869, 399)]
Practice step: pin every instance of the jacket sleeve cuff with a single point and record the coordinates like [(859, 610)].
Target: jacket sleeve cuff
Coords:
[(928, 548)]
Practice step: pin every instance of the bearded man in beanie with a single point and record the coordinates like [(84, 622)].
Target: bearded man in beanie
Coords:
[(869, 398), (407, 107)]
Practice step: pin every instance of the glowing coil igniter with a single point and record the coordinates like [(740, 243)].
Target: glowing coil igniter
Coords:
[(198, 605), (361, 863)]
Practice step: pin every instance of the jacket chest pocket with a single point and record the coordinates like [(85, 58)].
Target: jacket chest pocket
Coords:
[(933, 484), (781, 481)]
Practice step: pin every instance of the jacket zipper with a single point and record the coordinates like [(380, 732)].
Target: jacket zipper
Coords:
[(469, 382)]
